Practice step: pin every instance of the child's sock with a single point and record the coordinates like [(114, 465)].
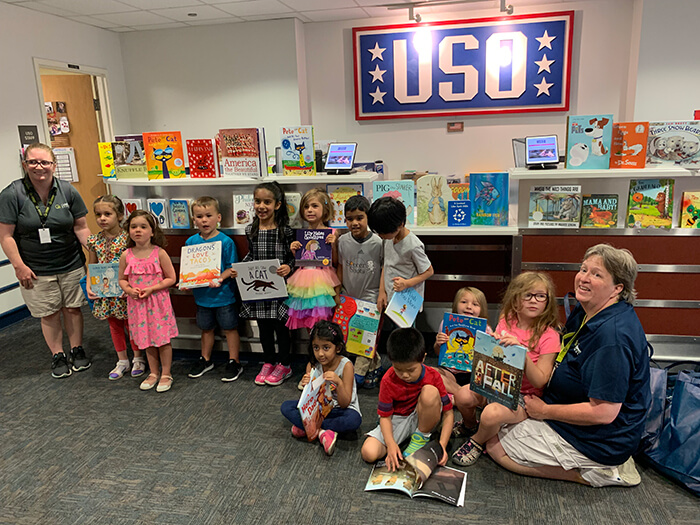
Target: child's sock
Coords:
[(418, 439)]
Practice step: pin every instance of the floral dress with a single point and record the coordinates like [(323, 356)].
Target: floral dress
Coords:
[(108, 251), (151, 320)]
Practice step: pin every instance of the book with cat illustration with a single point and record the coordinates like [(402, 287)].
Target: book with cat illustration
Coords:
[(497, 371), (199, 265), (165, 158), (258, 280), (458, 352), (421, 475), (554, 207), (314, 251), (298, 153), (488, 193), (650, 203)]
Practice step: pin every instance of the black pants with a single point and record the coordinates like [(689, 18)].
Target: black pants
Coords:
[(268, 328)]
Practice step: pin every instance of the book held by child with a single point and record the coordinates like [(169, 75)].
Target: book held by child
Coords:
[(104, 280), (314, 250), (359, 321), (258, 280), (199, 265), (315, 403), (404, 307), (497, 371), (458, 352)]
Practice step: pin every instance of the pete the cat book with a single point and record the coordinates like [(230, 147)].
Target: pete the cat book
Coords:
[(458, 352), (298, 153), (165, 158)]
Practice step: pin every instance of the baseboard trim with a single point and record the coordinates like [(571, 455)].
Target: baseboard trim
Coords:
[(13, 316)]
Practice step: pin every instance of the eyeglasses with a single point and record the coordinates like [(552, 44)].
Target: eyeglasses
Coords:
[(539, 297), (43, 163)]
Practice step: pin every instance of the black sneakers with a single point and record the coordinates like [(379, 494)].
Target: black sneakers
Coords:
[(59, 366), (201, 367), (233, 370), (78, 360)]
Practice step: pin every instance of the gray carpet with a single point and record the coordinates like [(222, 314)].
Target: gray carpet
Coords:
[(86, 450)]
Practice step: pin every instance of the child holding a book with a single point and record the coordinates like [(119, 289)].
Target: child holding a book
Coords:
[(326, 358), (312, 289), (359, 261), (269, 237), (215, 303), (412, 402), (145, 274), (529, 318), (105, 247)]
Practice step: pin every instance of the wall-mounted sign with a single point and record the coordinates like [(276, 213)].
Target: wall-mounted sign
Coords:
[(511, 64)]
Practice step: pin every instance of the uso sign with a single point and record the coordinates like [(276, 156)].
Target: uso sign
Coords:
[(511, 64)]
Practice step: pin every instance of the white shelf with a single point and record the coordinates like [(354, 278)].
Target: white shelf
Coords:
[(321, 178), (557, 175)]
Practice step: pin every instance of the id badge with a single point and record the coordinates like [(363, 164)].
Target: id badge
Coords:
[(44, 236)]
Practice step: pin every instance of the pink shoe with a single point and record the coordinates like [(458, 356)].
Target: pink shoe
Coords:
[(328, 439), (264, 372), (278, 375), (298, 432)]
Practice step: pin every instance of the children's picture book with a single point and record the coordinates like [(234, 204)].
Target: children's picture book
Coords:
[(650, 203), (359, 321), (201, 158), (258, 280), (460, 190), (293, 203), (458, 352), (131, 205), (159, 209), (315, 402), (243, 212), (588, 141), (339, 194), (629, 145), (554, 207), (674, 143), (165, 158), (459, 213), (489, 196), (199, 265), (106, 160), (243, 152), (104, 280), (314, 250), (403, 190), (690, 209), (298, 154), (497, 371), (404, 307), (180, 213), (129, 159), (599, 210), (432, 196), (421, 475)]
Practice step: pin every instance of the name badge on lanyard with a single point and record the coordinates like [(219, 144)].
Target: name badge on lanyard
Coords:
[(44, 236)]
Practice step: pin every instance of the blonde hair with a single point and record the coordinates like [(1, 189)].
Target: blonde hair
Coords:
[(478, 295), (323, 198), (512, 301), (620, 263), (39, 145), (204, 202)]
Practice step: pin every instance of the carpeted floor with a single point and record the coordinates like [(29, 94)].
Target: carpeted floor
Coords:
[(86, 450)]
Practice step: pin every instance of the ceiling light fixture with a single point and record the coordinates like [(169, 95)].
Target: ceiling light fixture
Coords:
[(411, 6)]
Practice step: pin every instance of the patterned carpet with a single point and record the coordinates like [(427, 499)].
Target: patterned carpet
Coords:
[(85, 450)]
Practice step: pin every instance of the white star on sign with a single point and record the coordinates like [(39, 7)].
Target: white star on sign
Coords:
[(544, 64), (377, 51), (377, 74), (378, 96), (542, 87), (545, 40)]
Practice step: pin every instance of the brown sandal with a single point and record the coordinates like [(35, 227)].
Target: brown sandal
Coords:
[(147, 385), (164, 387)]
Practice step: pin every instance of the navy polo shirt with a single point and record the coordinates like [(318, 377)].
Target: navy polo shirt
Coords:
[(608, 361)]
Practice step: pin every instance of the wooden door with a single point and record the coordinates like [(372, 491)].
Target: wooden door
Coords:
[(76, 91)]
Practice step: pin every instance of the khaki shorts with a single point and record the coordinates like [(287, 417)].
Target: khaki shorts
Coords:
[(53, 292), (402, 427)]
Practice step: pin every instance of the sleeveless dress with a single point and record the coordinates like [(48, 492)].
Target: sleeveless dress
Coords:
[(108, 251), (151, 320)]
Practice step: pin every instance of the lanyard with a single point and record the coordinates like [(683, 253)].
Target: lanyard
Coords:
[(34, 197), (568, 340)]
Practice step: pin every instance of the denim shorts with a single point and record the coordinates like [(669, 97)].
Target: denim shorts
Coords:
[(226, 317)]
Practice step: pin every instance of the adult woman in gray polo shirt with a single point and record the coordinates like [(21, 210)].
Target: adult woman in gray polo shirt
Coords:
[(42, 228)]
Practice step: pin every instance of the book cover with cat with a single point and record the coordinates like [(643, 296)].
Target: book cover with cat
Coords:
[(457, 353), (674, 144), (165, 158), (258, 280), (650, 203), (129, 159), (243, 152), (403, 190), (629, 145), (339, 194), (690, 209), (599, 210), (588, 141), (489, 196), (298, 154), (201, 158), (314, 251), (432, 196), (554, 207)]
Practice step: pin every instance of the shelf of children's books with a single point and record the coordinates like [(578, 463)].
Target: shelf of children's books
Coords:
[(321, 178), (650, 232), (465, 231), (559, 175)]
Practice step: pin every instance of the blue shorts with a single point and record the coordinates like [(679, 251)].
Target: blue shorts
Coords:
[(226, 317)]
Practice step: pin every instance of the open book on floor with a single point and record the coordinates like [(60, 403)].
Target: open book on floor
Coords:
[(421, 476)]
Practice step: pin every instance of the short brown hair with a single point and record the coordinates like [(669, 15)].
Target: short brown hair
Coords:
[(621, 265), (158, 238), (322, 197), (115, 201), (204, 202)]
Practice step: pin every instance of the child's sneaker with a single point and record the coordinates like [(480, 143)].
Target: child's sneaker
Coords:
[(467, 454), (200, 367), (265, 371), (233, 370), (278, 375), (119, 370), (298, 432), (138, 368), (328, 439), (418, 439)]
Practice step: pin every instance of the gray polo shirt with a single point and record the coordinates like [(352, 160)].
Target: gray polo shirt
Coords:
[(362, 266), (64, 253), (405, 259)]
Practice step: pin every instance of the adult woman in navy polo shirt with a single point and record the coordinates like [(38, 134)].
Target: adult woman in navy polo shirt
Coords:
[(590, 419)]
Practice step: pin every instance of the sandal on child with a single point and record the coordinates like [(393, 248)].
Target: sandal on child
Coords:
[(119, 370), (138, 367), (467, 454), (164, 387), (147, 384)]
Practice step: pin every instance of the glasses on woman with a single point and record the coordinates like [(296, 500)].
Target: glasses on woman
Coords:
[(43, 163), (539, 297)]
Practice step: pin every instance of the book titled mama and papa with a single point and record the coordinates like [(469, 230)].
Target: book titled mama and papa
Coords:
[(458, 352)]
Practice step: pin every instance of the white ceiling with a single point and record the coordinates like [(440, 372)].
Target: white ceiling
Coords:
[(143, 15)]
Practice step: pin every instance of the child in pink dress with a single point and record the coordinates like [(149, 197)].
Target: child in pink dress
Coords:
[(145, 274)]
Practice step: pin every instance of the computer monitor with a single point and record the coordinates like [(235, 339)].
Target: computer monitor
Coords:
[(541, 152), (340, 157)]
